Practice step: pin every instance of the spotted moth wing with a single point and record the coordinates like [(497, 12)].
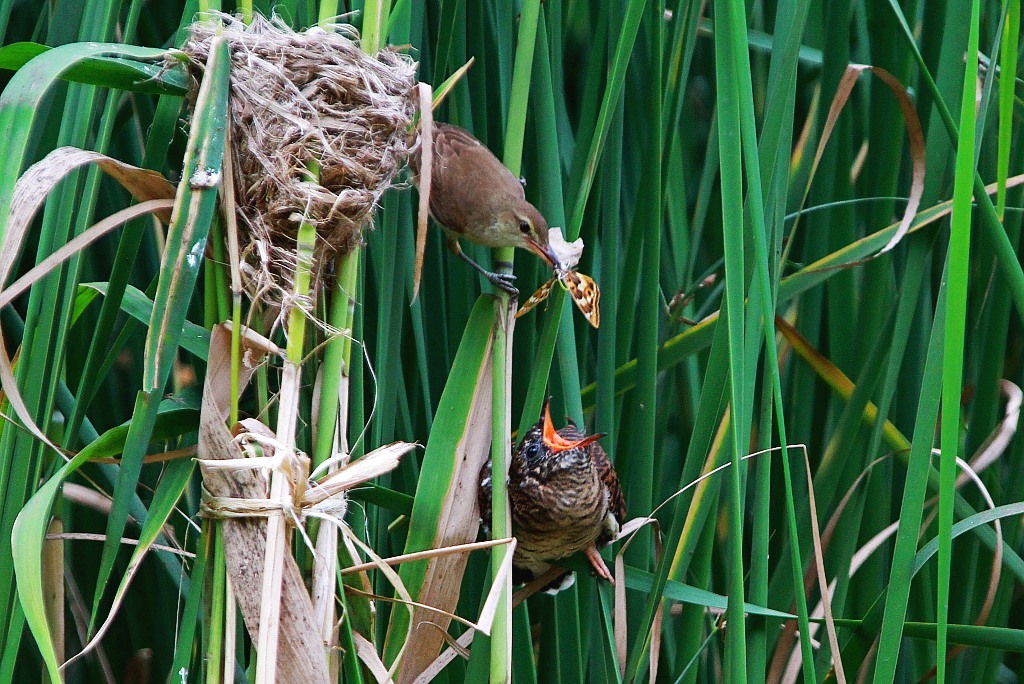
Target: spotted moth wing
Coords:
[(587, 295), (537, 297)]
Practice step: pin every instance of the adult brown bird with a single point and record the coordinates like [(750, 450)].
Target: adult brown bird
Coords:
[(565, 497), (474, 196)]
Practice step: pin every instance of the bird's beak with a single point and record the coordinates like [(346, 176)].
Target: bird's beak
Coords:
[(544, 252), (555, 441)]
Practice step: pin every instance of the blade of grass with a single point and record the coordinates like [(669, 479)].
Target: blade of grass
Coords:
[(991, 228), (21, 118), (136, 69), (29, 530), (954, 333), (913, 500), (193, 213), (728, 15), (1008, 65)]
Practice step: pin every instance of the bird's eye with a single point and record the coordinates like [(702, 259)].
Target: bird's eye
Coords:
[(524, 225)]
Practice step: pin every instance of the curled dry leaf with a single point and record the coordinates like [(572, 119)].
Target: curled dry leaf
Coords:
[(915, 138), (819, 564), (30, 192), (995, 444)]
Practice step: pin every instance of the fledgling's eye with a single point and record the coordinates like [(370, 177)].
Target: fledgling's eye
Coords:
[(524, 225)]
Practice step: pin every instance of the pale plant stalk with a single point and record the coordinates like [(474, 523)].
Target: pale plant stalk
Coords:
[(231, 230), (227, 661), (334, 390), (230, 615), (280, 488), (501, 426), (501, 447), (501, 385), (331, 438), (53, 569)]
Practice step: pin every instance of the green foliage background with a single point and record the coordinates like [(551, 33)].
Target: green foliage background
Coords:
[(677, 138)]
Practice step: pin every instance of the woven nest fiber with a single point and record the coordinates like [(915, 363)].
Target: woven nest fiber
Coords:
[(302, 100)]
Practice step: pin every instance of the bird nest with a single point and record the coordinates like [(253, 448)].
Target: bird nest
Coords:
[(302, 101)]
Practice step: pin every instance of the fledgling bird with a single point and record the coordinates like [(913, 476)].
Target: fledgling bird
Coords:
[(474, 196), (565, 497)]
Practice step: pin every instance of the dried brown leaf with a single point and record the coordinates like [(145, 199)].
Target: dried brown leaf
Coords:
[(621, 632), (915, 138), (426, 173), (484, 623), (457, 524), (53, 587), (374, 464), (995, 444), (30, 192), (368, 654)]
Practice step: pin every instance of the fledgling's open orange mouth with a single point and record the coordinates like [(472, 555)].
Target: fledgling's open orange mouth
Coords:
[(556, 442)]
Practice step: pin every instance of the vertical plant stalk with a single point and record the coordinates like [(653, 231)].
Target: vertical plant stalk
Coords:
[(640, 488), (230, 632), (501, 387), (332, 418), (218, 608), (501, 448), (234, 262), (328, 11), (1008, 65), (375, 18), (727, 14), (953, 340), (335, 368), (231, 232), (193, 211), (616, 80), (280, 487), (769, 293), (331, 435)]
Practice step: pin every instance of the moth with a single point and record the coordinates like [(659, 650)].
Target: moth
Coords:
[(582, 288)]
